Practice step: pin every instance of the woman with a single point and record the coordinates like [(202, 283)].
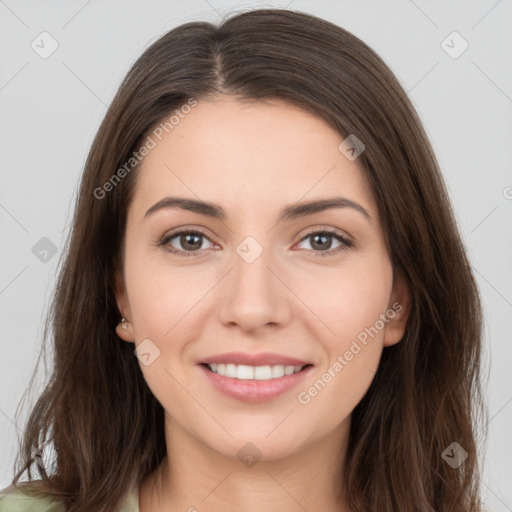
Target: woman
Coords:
[(262, 218)]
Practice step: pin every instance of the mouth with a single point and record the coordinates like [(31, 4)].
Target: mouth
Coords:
[(246, 372), (253, 384)]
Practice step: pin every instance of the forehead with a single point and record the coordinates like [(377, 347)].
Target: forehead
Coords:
[(261, 153)]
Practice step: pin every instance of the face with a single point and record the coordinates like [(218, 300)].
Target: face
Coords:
[(257, 274)]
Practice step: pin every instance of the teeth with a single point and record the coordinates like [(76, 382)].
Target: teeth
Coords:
[(244, 372)]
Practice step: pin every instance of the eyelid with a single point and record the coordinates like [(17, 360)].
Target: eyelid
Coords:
[(326, 229)]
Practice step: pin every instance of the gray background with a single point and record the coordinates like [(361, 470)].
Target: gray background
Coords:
[(51, 108)]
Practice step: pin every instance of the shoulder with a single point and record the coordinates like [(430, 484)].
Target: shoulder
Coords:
[(28, 497), (31, 497)]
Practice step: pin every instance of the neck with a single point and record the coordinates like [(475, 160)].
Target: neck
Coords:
[(194, 477)]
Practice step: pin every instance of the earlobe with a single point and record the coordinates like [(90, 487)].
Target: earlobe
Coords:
[(124, 330), (397, 313)]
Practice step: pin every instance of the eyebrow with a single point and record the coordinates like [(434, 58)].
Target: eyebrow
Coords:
[(289, 212)]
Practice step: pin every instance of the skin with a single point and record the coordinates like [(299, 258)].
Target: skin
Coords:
[(254, 158)]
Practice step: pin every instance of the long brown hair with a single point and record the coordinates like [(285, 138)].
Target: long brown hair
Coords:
[(97, 412)]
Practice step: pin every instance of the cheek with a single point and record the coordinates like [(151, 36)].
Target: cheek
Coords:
[(160, 294), (162, 305), (347, 300)]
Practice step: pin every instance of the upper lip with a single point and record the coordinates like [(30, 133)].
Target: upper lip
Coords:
[(261, 359)]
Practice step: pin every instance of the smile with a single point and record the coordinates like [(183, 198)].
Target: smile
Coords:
[(253, 384)]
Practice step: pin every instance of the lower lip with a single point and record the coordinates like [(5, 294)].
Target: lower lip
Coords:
[(254, 391)]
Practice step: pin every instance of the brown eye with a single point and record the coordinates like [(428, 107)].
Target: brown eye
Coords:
[(321, 241), (191, 241), (185, 242), (326, 243)]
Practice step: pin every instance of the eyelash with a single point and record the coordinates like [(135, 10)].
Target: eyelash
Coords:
[(346, 243)]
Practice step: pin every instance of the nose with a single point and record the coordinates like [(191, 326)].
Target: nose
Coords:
[(253, 296)]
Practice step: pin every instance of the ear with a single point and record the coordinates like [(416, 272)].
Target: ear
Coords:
[(397, 313), (125, 334)]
